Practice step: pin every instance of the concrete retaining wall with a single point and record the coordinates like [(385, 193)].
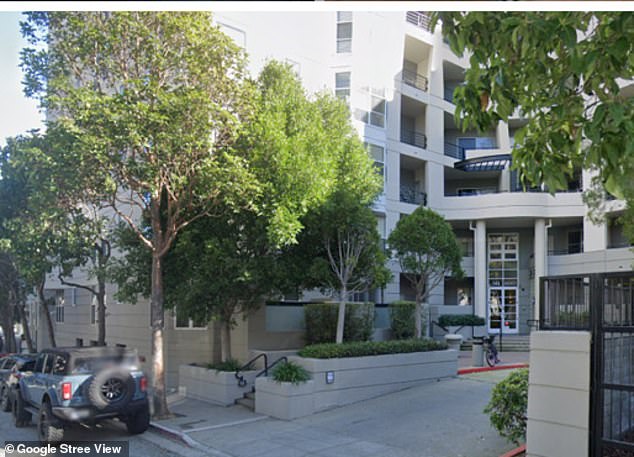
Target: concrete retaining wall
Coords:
[(219, 387), (361, 378), (559, 394), (284, 400)]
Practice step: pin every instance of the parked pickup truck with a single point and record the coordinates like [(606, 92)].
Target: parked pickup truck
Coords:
[(82, 385)]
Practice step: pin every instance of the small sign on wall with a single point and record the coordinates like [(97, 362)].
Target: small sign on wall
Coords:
[(330, 377)]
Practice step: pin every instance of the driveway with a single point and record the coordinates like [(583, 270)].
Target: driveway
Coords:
[(440, 419)]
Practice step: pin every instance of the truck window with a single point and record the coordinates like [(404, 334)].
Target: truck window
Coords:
[(59, 367), (39, 364), (48, 367)]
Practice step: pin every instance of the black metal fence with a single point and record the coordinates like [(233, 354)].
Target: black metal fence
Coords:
[(603, 304)]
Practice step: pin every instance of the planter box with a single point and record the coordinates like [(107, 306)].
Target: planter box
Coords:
[(219, 387), (361, 378), (284, 400)]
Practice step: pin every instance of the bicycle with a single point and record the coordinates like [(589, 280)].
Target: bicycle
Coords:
[(491, 352)]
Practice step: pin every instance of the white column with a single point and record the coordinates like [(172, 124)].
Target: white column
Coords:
[(480, 269), (540, 254)]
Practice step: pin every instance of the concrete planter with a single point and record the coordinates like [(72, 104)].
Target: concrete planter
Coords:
[(453, 340), (219, 387), (284, 400), (349, 380)]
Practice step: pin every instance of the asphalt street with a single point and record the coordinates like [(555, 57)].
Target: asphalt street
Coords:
[(145, 445)]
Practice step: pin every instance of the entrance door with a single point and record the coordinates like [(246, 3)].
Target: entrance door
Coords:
[(503, 286)]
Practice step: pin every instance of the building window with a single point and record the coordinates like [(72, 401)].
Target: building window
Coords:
[(342, 85), (59, 306), (477, 143), (344, 31), (377, 153), (376, 114), (466, 246), (575, 242), (184, 321), (94, 314)]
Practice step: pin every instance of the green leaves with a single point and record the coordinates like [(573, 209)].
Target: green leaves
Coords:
[(508, 406)]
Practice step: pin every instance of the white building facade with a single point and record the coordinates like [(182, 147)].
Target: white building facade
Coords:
[(398, 77)]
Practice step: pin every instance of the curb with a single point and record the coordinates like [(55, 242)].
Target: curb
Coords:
[(186, 440), (498, 367), (515, 452)]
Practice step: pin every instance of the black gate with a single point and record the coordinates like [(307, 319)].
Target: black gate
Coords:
[(604, 304)]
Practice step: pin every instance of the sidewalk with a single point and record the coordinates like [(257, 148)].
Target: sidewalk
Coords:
[(440, 419)]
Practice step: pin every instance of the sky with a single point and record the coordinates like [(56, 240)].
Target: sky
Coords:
[(18, 114)]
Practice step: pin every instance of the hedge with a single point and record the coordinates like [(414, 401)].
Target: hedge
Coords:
[(321, 322), (460, 320), (363, 348), (290, 372), (402, 319)]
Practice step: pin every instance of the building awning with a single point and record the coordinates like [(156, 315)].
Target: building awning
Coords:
[(487, 163)]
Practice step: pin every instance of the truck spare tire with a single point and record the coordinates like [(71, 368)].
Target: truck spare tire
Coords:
[(111, 388)]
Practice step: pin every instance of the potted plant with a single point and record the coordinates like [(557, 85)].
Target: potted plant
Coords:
[(453, 323), (287, 394)]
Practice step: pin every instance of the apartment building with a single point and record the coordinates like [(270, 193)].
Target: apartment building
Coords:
[(398, 77)]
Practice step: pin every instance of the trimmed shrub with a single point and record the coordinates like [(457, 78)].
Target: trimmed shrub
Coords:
[(508, 405), (460, 320), (227, 365), (402, 320), (321, 322), (363, 348), (290, 372)]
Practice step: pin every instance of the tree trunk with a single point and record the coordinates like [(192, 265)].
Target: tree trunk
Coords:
[(225, 340), (47, 314), (418, 315), (9, 335), (26, 331), (341, 316), (216, 355), (101, 310), (157, 317)]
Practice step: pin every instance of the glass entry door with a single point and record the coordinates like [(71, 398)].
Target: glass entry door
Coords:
[(503, 283)]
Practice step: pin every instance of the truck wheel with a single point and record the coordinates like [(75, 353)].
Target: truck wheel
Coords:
[(139, 422), (49, 428), (110, 388), (5, 401), (21, 417)]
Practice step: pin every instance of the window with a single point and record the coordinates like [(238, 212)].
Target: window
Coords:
[(466, 246), (48, 365), (376, 113), (59, 306), (342, 84), (575, 242), (380, 225), (94, 314), (377, 153), (477, 143), (60, 364), (184, 321), (344, 31)]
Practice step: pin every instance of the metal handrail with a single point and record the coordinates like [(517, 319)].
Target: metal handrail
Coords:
[(243, 382), (411, 78), (265, 372), (414, 138)]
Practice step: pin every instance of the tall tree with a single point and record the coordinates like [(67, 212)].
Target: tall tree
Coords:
[(222, 271), (427, 251), (339, 251), (564, 71), (156, 98)]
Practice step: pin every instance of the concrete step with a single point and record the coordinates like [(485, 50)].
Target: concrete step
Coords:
[(248, 403)]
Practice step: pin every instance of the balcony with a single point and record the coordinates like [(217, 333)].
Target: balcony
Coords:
[(411, 78), (410, 194), (455, 151), (414, 138), (420, 19)]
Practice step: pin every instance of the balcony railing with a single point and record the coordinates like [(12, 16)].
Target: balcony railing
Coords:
[(411, 78), (455, 151), (414, 138), (448, 94), (619, 244), (409, 194), (420, 19)]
